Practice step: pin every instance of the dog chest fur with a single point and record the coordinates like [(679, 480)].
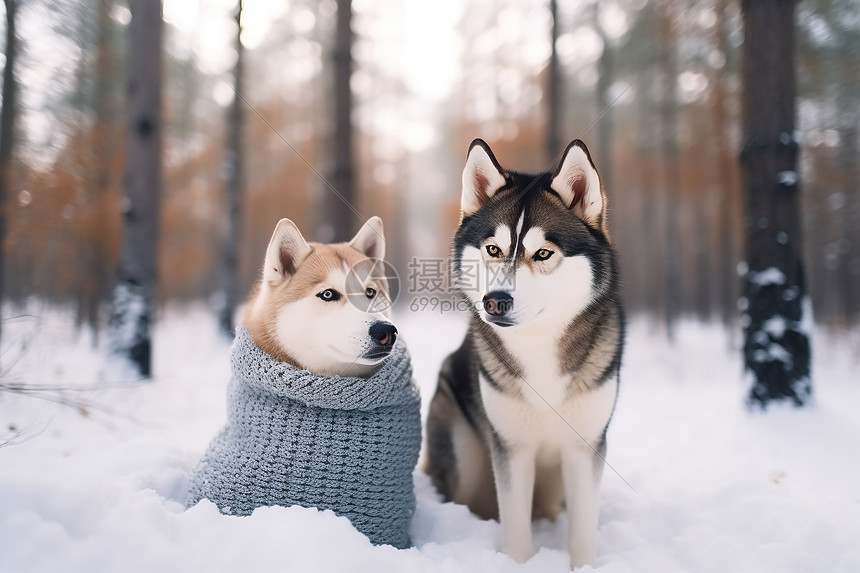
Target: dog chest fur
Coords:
[(545, 413)]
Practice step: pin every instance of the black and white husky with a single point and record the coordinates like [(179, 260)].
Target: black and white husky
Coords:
[(517, 427)]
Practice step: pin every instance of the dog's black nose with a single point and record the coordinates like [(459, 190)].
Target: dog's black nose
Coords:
[(384, 333), (498, 303)]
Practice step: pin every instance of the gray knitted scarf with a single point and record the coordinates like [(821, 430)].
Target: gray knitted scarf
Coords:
[(294, 438)]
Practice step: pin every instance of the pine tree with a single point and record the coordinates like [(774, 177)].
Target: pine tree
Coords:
[(233, 167), (340, 202), (135, 295), (7, 132), (553, 91), (776, 346)]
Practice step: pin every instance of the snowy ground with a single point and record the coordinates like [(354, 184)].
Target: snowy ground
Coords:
[(712, 487)]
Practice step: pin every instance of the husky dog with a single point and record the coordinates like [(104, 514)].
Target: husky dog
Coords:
[(322, 410), (286, 319), (517, 426)]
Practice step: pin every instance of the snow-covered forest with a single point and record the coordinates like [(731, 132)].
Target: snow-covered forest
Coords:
[(148, 148)]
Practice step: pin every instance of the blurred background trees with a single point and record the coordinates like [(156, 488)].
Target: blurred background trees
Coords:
[(7, 131), (652, 86), (134, 299), (233, 166), (338, 218)]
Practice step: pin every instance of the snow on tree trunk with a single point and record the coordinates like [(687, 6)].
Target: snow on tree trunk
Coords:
[(776, 340), (130, 332), (134, 298)]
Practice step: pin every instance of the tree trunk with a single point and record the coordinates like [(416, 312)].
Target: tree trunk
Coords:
[(553, 92), (848, 250), (135, 295), (7, 136), (103, 144), (605, 77), (340, 201), (671, 175), (776, 344), (728, 204), (652, 268), (233, 168)]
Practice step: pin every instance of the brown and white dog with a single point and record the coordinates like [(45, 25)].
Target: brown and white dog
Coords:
[(314, 311)]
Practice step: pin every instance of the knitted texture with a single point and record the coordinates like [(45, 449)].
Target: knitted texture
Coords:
[(294, 438)]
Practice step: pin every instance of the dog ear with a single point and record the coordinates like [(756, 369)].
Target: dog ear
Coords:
[(482, 177), (287, 250), (370, 239), (578, 185)]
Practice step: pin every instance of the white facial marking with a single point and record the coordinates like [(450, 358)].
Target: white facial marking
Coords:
[(517, 232), (500, 276), (553, 299), (496, 272), (533, 240), (558, 296), (472, 280), (502, 237)]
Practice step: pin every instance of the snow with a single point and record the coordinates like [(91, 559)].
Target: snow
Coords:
[(790, 294), (127, 328), (807, 320), (97, 486), (774, 329), (779, 352), (787, 178), (769, 276)]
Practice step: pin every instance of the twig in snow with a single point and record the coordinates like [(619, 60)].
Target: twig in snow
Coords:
[(19, 437), (57, 394)]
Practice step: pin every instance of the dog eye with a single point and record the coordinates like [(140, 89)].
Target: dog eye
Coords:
[(493, 250), (329, 295), (543, 254), (370, 292)]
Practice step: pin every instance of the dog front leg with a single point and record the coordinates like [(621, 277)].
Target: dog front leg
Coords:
[(581, 474), (514, 472)]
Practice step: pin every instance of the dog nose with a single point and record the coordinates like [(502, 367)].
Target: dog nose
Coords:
[(498, 303), (384, 333)]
